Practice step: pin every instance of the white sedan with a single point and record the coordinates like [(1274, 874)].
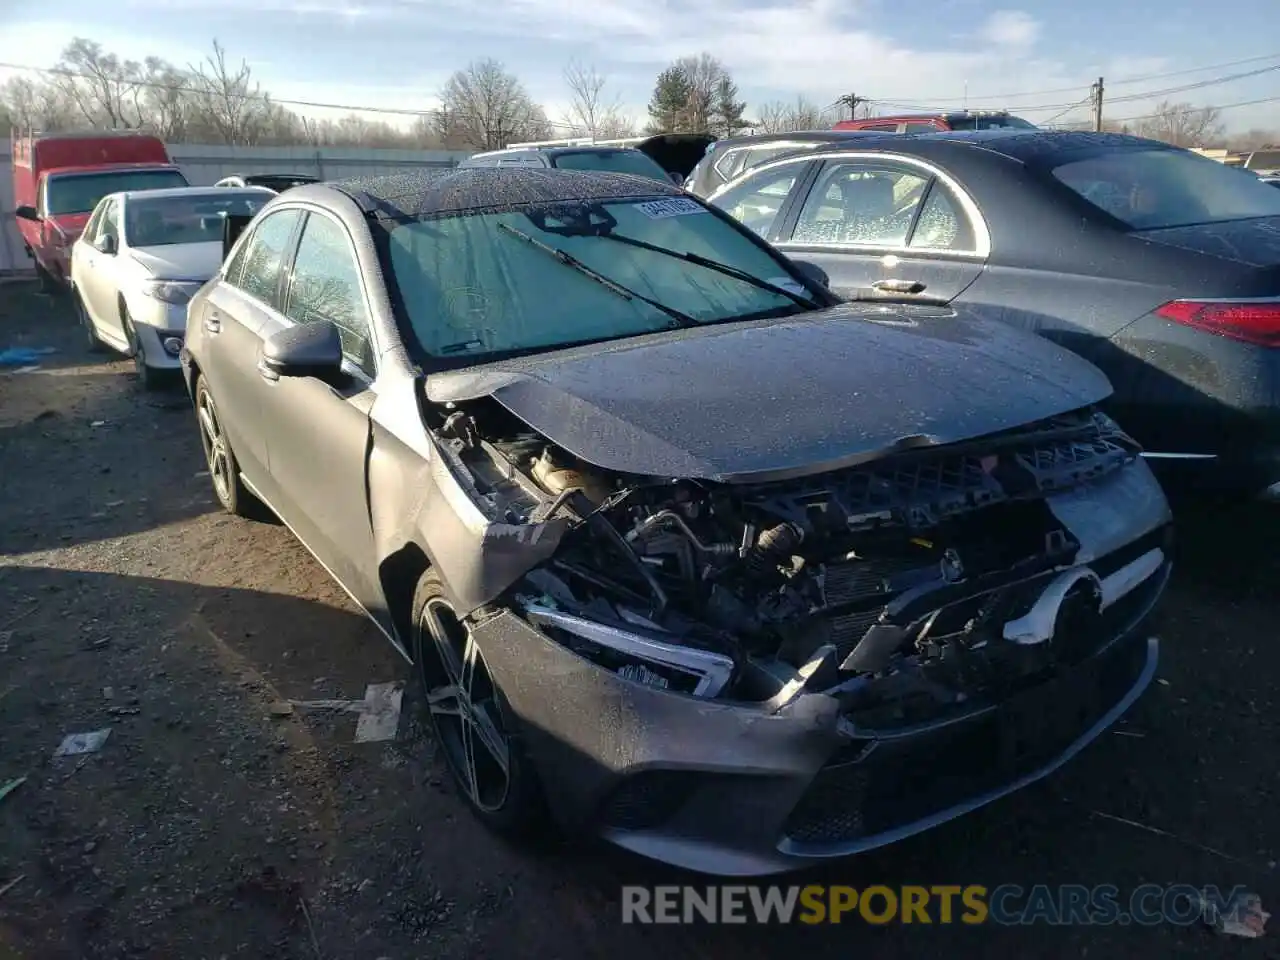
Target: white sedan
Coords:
[(141, 257)]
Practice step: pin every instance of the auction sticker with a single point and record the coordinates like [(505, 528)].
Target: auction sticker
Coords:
[(674, 207)]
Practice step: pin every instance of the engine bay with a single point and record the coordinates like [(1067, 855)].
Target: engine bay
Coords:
[(884, 583)]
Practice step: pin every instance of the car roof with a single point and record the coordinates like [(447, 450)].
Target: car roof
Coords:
[(1032, 147), (577, 148), (801, 136), (194, 192), (424, 193)]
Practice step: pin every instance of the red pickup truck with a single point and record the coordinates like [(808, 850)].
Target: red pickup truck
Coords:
[(59, 178)]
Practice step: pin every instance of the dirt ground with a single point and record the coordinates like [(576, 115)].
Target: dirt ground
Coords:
[(208, 827)]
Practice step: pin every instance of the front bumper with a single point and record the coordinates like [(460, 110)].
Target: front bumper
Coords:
[(162, 327), (731, 789)]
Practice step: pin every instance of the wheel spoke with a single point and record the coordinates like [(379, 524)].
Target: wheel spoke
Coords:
[(445, 702), (469, 759), (210, 426), (470, 654), (490, 737)]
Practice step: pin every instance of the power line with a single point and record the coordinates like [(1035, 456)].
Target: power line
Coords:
[(1127, 98), (1187, 71), (312, 104), (1225, 106), (1078, 103)]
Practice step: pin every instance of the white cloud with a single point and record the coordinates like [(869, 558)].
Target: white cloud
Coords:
[(775, 49), (1011, 28)]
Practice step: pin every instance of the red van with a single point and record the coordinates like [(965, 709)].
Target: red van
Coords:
[(59, 178), (935, 122)]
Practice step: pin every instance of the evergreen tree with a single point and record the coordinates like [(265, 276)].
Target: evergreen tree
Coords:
[(727, 109), (670, 101)]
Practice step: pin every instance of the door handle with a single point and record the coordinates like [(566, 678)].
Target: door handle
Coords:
[(899, 286), (213, 321), (266, 373)]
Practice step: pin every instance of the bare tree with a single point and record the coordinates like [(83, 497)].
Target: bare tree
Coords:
[(703, 73), (802, 114), (590, 106), (102, 87), (1181, 124), (485, 107), (32, 106), (615, 126), (228, 101)]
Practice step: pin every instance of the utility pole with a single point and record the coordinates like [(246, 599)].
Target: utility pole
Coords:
[(1097, 105), (851, 100)]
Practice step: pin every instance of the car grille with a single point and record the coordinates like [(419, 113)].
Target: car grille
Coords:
[(903, 781)]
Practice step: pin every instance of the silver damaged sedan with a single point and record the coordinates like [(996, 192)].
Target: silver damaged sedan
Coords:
[(687, 553)]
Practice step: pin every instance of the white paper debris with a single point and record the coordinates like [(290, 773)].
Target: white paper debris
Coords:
[(380, 717), (74, 744), (1243, 917)]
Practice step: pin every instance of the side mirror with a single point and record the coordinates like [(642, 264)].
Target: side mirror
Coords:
[(812, 272), (106, 244), (307, 350), (677, 179), (27, 213)]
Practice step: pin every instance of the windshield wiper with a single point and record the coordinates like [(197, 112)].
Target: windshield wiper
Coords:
[(569, 260), (718, 267)]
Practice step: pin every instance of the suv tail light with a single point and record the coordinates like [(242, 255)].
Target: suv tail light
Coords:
[(1256, 322)]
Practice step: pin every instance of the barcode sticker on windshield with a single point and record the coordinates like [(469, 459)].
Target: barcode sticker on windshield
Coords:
[(675, 207)]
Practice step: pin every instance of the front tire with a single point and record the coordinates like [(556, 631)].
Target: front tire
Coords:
[(473, 724), (224, 471), (94, 342), (148, 377)]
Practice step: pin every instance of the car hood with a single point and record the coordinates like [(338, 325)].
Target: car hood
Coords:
[(70, 225), (181, 261), (748, 402), (1254, 242)]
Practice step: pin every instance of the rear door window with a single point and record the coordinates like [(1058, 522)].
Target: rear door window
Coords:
[(1157, 189), (861, 202), (263, 256)]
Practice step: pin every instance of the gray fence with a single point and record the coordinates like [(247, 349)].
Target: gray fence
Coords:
[(206, 164)]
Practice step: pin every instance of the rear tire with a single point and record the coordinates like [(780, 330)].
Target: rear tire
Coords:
[(224, 471), (49, 284), (475, 730)]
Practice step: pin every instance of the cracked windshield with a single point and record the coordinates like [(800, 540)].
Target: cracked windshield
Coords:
[(602, 480)]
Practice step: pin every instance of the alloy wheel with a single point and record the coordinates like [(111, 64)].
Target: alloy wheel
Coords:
[(464, 705), (215, 446)]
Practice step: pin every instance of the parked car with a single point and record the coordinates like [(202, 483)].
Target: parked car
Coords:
[(138, 262), (689, 555), (676, 153), (277, 182), (934, 122), (59, 178), (733, 156), (605, 159), (1159, 265)]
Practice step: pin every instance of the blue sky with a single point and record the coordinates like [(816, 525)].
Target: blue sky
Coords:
[(398, 53)]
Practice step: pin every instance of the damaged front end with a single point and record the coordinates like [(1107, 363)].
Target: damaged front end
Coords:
[(905, 594)]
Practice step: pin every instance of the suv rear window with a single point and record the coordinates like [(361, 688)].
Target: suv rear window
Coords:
[(1155, 189), (611, 161)]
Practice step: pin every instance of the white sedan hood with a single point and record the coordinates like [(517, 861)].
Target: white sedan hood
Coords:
[(181, 261)]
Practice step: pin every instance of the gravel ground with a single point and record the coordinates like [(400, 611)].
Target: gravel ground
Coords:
[(208, 826)]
